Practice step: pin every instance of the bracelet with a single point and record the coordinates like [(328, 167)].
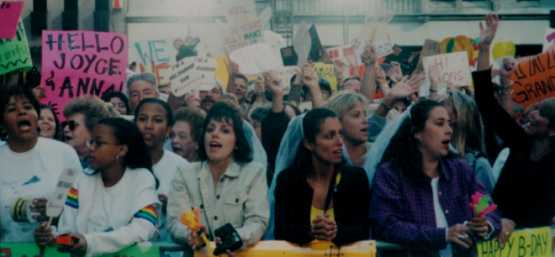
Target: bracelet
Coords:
[(19, 210)]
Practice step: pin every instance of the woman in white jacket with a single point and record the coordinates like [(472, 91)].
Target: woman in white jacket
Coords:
[(116, 206)]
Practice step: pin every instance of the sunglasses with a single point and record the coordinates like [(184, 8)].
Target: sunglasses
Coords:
[(71, 124)]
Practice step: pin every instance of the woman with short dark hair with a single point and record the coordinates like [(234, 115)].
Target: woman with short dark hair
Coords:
[(226, 185)]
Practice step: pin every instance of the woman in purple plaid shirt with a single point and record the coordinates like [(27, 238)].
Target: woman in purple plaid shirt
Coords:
[(421, 192)]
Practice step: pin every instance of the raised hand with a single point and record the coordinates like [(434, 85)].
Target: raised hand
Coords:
[(489, 29)]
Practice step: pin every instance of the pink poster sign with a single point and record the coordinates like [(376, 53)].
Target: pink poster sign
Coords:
[(79, 63), (9, 15)]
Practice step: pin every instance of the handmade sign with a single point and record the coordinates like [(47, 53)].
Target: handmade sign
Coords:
[(193, 73), (244, 27), (78, 63), (451, 69), (155, 56), (503, 49), (549, 39), (327, 72), (534, 79), (31, 249), (14, 53), (9, 15), (528, 242), (345, 61), (256, 59)]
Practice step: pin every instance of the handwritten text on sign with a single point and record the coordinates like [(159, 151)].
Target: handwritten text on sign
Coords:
[(9, 14), (529, 242), (155, 57), (453, 68), (78, 63), (193, 73), (14, 53), (534, 79)]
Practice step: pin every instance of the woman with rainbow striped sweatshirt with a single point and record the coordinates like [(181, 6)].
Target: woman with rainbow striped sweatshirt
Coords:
[(117, 205)]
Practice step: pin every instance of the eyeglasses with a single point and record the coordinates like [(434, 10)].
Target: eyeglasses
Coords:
[(94, 144), (71, 123)]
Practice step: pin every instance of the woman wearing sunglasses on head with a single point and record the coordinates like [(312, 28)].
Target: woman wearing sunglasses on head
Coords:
[(117, 205), (29, 165)]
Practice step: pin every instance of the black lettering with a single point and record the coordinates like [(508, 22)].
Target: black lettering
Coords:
[(536, 66), (84, 43), (50, 81), (99, 68), (121, 45), (96, 87), (61, 65), (89, 61), (520, 73), (521, 246), (80, 62), (83, 86), (113, 67), (99, 48), (70, 41), (551, 60), (5, 5), (66, 86), (50, 41)]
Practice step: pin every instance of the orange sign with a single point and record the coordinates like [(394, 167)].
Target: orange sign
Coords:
[(534, 79)]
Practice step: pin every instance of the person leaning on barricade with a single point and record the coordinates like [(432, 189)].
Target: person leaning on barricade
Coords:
[(319, 196), (114, 206), (226, 186), (421, 192), (30, 165)]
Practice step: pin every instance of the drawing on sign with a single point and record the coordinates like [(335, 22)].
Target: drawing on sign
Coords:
[(14, 53), (78, 63)]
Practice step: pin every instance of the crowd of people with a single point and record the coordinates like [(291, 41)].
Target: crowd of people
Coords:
[(309, 164)]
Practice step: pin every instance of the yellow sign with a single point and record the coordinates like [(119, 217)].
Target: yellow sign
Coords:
[(527, 242), (315, 249), (327, 72)]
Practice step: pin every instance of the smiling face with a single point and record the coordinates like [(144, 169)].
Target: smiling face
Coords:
[(153, 124), (47, 123), (434, 139), (355, 124), (219, 140), (328, 143), (20, 119)]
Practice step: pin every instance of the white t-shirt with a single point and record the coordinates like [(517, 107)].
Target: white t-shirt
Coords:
[(112, 218), (166, 168), (441, 221), (30, 175)]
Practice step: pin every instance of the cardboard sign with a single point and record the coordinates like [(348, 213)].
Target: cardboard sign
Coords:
[(256, 59), (79, 63), (528, 242), (14, 53), (193, 73), (244, 27), (549, 39), (452, 69), (9, 15), (31, 249), (55, 204), (327, 72), (345, 61), (534, 79), (155, 56)]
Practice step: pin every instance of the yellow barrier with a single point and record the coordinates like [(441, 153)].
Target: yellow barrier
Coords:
[(315, 249)]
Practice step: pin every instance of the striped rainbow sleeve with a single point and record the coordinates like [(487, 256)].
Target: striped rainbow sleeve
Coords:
[(148, 213), (72, 199)]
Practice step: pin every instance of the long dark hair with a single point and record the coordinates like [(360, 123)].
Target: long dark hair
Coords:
[(312, 124), (127, 133), (403, 151), (224, 112)]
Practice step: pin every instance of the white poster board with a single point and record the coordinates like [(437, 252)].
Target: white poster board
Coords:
[(453, 69)]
